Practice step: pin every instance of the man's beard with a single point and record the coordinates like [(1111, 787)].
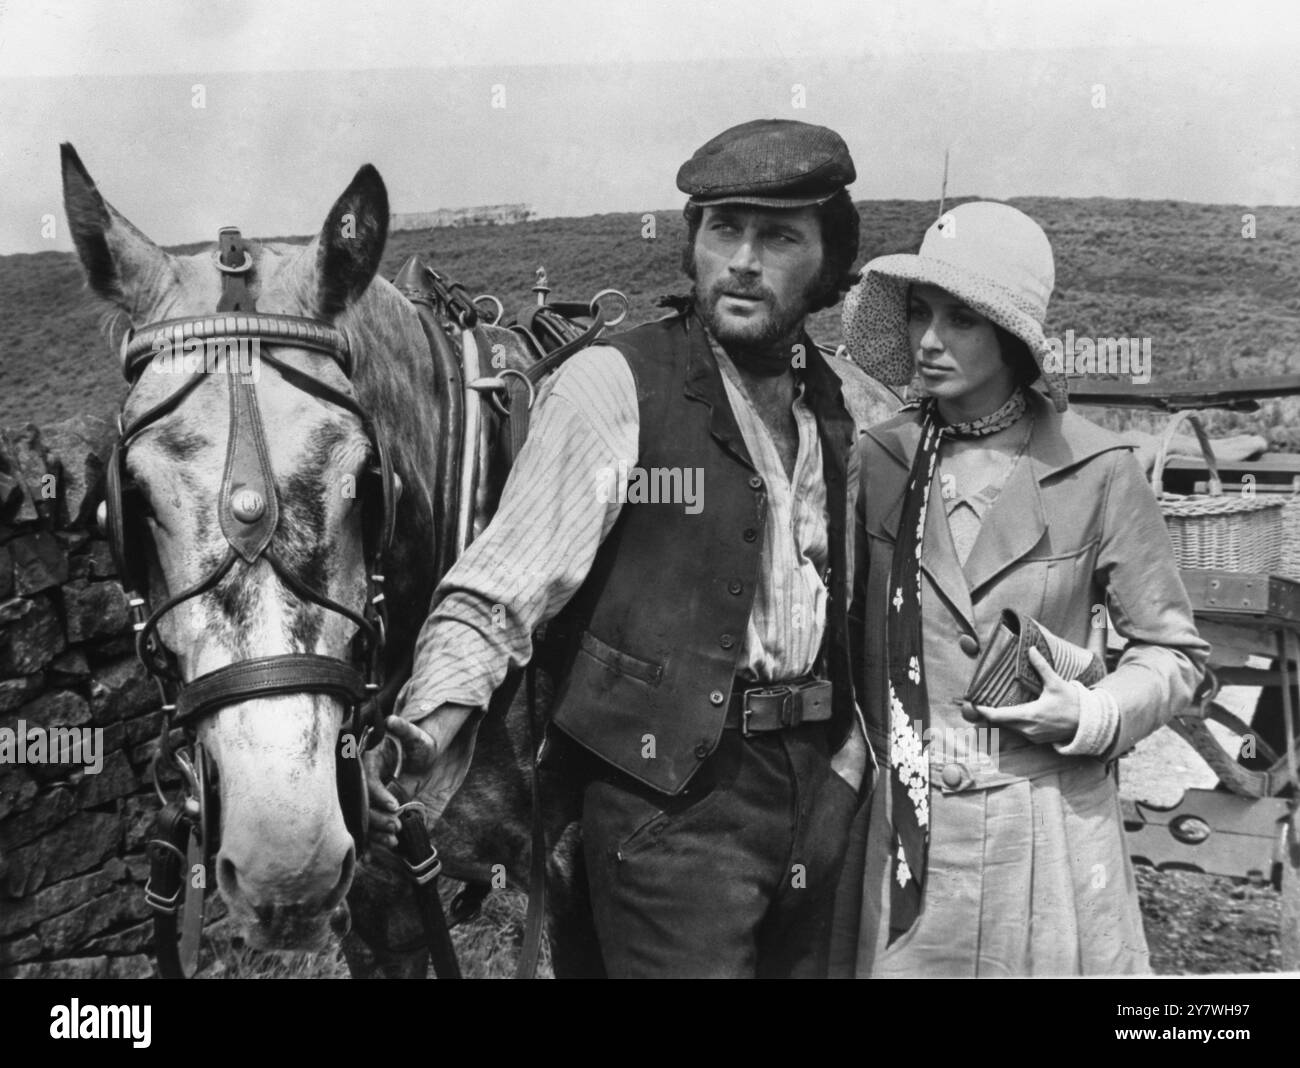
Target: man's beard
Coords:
[(763, 348)]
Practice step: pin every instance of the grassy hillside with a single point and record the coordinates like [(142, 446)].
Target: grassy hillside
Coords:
[(1214, 303)]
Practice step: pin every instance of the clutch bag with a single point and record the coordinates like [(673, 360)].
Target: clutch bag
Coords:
[(1004, 675)]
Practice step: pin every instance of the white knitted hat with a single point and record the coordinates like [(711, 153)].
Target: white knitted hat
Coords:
[(994, 258)]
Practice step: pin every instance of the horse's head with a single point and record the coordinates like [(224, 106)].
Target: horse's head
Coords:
[(286, 856)]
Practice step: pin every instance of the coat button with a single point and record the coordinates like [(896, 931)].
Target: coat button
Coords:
[(951, 775), (726, 641), (755, 483), (701, 750), (734, 586), (968, 645), (750, 534), (717, 697)]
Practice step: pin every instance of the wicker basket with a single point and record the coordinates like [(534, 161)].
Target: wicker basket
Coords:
[(1237, 532), (1290, 566)]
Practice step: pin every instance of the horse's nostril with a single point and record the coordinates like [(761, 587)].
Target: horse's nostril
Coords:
[(340, 890), (227, 876)]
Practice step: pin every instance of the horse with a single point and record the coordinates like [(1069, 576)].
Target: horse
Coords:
[(286, 859), (287, 863)]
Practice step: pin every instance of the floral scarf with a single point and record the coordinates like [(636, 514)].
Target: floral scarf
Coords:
[(909, 704)]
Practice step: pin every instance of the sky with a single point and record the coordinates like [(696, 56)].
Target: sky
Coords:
[(193, 115)]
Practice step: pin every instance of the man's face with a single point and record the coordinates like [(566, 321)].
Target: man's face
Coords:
[(755, 272)]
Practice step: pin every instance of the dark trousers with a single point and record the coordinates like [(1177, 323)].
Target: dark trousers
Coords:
[(734, 878)]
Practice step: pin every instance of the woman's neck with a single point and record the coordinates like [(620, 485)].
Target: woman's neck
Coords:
[(975, 405)]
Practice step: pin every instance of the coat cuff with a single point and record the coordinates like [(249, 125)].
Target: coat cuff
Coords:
[(1098, 724)]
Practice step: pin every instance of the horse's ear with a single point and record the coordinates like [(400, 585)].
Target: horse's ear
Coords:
[(114, 253), (351, 243)]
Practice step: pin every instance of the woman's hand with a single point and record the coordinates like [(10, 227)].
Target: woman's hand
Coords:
[(1053, 716)]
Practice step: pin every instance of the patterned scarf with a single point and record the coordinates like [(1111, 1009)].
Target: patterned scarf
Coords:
[(909, 704)]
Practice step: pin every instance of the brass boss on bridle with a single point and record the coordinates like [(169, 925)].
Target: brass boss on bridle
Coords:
[(249, 514)]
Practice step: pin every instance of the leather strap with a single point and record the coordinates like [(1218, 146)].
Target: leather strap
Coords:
[(776, 707), (173, 334), (176, 903), (520, 387), (269, 676), (421, 859), (248, 475), (234, 259), (535, 916)]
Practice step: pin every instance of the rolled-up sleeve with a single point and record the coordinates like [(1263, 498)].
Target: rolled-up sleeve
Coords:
[(1165, 657), (556, 508)]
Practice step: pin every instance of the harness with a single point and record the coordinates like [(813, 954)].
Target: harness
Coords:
[(551, 336), (186, 831)]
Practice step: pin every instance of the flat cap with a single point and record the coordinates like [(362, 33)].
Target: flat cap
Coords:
[(773, 163)]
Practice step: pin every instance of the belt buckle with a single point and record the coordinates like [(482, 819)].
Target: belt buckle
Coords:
[(786, 715)]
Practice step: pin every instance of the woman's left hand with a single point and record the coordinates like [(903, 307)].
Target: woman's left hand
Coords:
[(1053, 716)]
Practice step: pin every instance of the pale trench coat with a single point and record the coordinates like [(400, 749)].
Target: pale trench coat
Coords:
[(1028, 873)]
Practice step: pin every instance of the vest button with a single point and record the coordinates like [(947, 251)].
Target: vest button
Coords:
[(717, 697), (734, 586), (750, 534), (755, 483), (701, 750), (726, 641), (952, 775), (968, 644)]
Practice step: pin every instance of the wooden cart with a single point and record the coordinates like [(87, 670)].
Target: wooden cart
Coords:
[(1248, 825)]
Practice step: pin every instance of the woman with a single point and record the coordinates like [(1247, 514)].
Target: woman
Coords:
[(985, 496)]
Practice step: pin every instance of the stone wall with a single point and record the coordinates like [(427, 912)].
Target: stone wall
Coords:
[(72, 863)]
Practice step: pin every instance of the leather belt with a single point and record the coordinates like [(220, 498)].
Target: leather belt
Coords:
[(777, 706)]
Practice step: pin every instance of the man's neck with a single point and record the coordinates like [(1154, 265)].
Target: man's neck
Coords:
[(772, 384), (770, 364)]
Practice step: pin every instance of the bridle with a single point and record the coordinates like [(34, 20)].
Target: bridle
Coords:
[(249, 513)]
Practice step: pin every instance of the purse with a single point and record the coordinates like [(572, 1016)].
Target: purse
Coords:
[(1004, 675)]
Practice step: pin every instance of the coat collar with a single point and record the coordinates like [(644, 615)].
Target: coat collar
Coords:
[(1017, 520), (1061, 439)]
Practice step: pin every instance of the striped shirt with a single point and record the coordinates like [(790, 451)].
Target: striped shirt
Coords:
[(555, 511)]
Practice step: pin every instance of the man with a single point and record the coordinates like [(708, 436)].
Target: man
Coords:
[(683, 498)]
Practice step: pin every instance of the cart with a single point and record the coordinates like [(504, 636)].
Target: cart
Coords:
[(1247, 826)]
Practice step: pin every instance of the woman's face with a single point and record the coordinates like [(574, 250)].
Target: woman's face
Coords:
[(956, 352)]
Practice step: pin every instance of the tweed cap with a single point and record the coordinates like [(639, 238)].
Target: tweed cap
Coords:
[(992, 257), (771, 163)]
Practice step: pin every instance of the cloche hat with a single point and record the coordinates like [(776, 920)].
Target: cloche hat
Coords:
[(992, 257)]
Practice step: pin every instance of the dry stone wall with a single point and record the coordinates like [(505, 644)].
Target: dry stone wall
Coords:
[(72, 838)]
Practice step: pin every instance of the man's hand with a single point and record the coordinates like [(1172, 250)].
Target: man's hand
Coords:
[(1053, 716), (421, 746)]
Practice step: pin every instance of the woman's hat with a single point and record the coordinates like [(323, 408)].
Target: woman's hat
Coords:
[(992, 257)]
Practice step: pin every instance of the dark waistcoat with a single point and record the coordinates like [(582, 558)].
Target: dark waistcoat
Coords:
[(659, 623)]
